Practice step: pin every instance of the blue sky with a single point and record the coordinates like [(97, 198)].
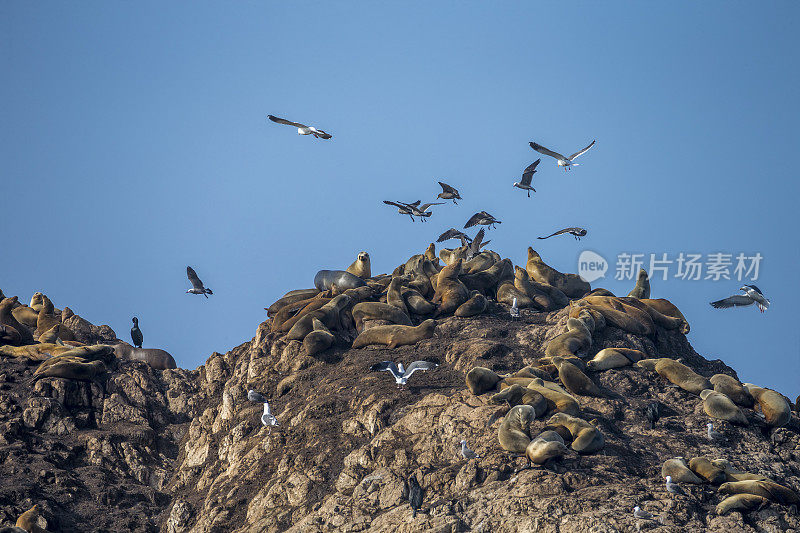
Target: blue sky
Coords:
[(134, 141)]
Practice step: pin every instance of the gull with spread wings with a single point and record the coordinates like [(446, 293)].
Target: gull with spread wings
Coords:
[(575, 232), (752, 295), (563, 161), (527, 176), (449, 193), (483, 218), (302, 129), (197, 285)]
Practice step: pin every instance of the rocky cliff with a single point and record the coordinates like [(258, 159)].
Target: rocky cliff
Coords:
[(178, 450)]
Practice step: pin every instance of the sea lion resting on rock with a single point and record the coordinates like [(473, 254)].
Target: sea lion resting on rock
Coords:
[(576, 340), (325, 279), (519, 395), (474, 306), (507, 293), (70, 367), (587, 438), (378, 311), (291, 297), (659, 319), (450, 292), (546, 297), (667, 308), (679, 471), (677, 373), (767, 489), (7, 319), (642, 287), (9, 335), (574, 380), (732, 474), (26, 315), (741, 503), (776, 409), (620, 313), (158, 359), (570, 284), (319, 340), (361, 266), (730, 387), (717, 405), (481, 379), (609, 358), (487, 281), (394, 295), (546, 446), (707, 470), (416, 303), (291, 313), (394, 336), (514, 431), (328, 314), (559, 401)]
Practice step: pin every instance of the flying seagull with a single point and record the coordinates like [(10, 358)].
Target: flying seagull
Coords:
[(575, 232), (565, 162), (453, 233), (400, 373), (466, 453), (403, 208), (449, 193), (197, 285), (752, 295), (136, 333), (422, 211), (302, 129), (483, 218), (475, 245), (527, 176)]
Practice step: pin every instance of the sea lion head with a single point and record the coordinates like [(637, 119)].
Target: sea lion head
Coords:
[(363, 256), (533, 255)]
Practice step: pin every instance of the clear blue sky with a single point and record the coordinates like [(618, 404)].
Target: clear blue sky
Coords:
[(134, 141)]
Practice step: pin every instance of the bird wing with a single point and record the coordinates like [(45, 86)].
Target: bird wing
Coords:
[(400, 206), (452, 233), (389, 366), (737, 300), (527, 174), (196, 283), (485, 243), (413, 204), (323, 134), (581, 152), (418, 365), (473, 220), (755, 289), (476, 242), (287, 122), (559, 232), (424, 207), (542, 150), (446, 187)]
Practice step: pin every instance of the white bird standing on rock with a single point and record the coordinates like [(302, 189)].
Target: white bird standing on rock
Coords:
[(514, 309), (466, 453), (268, 419), (638, 512), (713, 435), (674, 488)]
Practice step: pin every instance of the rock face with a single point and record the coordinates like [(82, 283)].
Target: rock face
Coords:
[(179, 451)]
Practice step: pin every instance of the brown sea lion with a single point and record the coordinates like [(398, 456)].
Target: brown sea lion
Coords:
[(7, 319), (507, 292), (587, 438), (519, 395), (570, 284), (776, 409), (666, 322), (667, 308), (9, 335), (514, 432), (681, 375), (717, 405), (378, 311), (730, 387), (291, 313), (742, 503), (547, 445), (37, 301), (450, 291), (155, 358), (70, 368), (481, 379), (703, 467), (732, 474), (474, 306), (416, 303), (576, 340), (487, 281), (319, 340), (361, 266), (556, 400), (26, 315), (620, 314), (394, 336), (609, 358), (328, 314), (574, 380), (28, 521), (679, 471), (479, 263), (394, 295), (767, 489), (642, 287), (430, 253), (546, 297), (290, 297)]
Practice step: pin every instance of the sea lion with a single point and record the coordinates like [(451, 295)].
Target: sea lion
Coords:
[(587, 438), (430, 253), (707, 470), (35, 352), (7, 319), (325, 279), (666, 322), (546, 363), (507, 293), (667, 308), (70, 368), (360, 267), (394, 296), (286, 317), (621, 314), (290, 297), (514, 431), (609, 358), (95, 352), (479, 263), (47, 317), (732, 474), (26, 315), (601, 292), (642, 287), (157, 359), (547, 445), (570, 284), (474, 306), (574, 380), (576, 340), (510, 381), (319, 340), (57, 332), (730, 387), (328, 314), (487, 281), (717, 405), (394, 336), (9, 335), (361, 294), (416, 303), (378, 311), (556, 401), (519, 395), (776, 409), (742, 503), (28, 521), (546, 297), (37, 301), (450, 291), (680, 472), (767, 489), (681, 375), (481, 379)]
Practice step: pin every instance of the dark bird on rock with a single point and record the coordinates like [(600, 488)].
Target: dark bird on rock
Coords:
[(752, 295), (302, 129), (575, 232), (527, 176), (449, 193), (483, 218), (415, 495), (197, 285), (563, 161), (652, 412), (136, 333)]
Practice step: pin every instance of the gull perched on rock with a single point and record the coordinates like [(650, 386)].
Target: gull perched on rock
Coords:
[(527, 176), (302, 129), (449, 193), (752, 295), (483, 218), (638, 512), (257, 397), (714, 435), (514, 311), (466, 453), (268, 419), (575, 232), (197, 285), (400, 373), (674, 488), (563, 161)]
